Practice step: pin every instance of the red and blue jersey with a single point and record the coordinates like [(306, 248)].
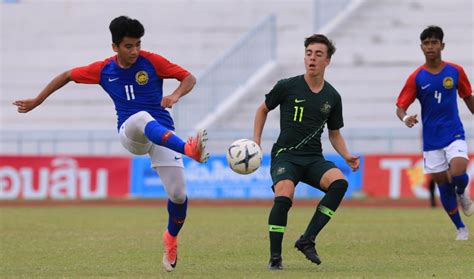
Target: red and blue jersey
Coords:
[(138, 88), (437, 94)]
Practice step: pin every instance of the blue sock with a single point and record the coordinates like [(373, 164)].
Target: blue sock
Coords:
[(177, 215), (448, 199), (461, 182), (160, 135)]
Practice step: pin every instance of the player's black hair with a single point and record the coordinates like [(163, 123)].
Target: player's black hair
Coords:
[(123, 26), (321, 39), (432, 31)]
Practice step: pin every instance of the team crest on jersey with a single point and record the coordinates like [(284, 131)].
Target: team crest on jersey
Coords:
[(448, 82), (141, 77), (325, 107)]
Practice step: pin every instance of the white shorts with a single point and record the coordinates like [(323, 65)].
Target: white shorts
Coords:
[(438, 160), (135, 141)]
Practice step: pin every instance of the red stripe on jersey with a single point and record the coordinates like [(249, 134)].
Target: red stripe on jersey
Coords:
[(89, 74), (408, 94), (164, 68), (464, 86)]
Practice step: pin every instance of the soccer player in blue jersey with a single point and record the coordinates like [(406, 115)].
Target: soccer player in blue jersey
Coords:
[(436, 84), (133, 78)]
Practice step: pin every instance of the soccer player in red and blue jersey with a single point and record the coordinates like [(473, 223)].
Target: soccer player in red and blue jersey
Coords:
[(134, 80), (436, 85)]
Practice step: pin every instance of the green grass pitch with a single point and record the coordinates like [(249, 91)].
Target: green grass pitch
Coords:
[(125, 242)]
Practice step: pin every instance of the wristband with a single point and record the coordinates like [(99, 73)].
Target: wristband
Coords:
[(405, 118)]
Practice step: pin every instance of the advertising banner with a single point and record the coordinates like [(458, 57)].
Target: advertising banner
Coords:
[(401, 176), (71, 177), (63, 178), (215, 180)]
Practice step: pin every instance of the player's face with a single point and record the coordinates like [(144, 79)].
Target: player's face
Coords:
[(127, 51), (432, 48), (316, 59)]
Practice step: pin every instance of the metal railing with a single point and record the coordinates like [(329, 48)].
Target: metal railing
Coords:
[(224, 77)]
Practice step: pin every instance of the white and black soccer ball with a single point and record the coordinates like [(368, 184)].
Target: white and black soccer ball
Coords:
[(244, 156)]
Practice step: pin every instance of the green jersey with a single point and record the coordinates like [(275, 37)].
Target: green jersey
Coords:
[(303, 115)]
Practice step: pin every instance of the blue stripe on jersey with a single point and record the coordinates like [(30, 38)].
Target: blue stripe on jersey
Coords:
[(437, 94), (135, 89)]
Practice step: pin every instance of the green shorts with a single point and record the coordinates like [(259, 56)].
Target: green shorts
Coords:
[(309, 173)]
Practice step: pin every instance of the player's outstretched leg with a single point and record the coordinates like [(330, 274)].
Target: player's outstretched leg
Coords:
[(196, 147)]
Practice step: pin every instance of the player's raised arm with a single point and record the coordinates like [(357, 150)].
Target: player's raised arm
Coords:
[(26, 105), (259, 122)]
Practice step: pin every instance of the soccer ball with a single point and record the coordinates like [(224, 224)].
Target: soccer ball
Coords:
[(244, 156)]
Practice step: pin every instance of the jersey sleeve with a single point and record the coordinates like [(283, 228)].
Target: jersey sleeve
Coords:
[(464, 86), (335, 119), (408, 94), (275, 96), (88, 74), (164, 68)]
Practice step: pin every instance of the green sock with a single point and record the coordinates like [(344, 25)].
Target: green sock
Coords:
[(326, 208), (277, 223)]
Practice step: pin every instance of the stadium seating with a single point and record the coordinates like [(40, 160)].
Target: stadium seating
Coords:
[(76, 33), (378, 47)]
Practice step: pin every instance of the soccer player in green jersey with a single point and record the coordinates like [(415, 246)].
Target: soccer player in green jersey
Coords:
[(307, 104)]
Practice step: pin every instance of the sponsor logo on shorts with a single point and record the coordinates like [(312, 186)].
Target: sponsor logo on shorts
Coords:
[(281, 170)]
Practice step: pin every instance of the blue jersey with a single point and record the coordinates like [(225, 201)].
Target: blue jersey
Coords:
[(138, 88), (437, 94)]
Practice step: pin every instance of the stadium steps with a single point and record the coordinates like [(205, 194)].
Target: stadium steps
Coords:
[(377, 45), (377, 48), (76, 33)]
